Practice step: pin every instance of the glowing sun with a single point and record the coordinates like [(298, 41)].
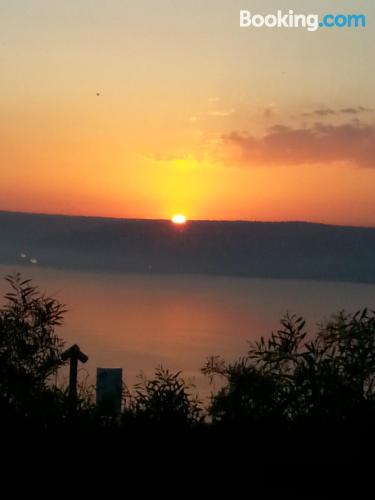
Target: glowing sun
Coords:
[(178, 219)]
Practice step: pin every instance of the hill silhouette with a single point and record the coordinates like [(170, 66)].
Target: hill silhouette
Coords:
[(293, 250)]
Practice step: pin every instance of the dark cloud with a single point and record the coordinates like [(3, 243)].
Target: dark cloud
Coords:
[(329, 111), (352, 143), (268, 111), (350, 111), (321, 112), (361, 108), (356, 111), (324, 112)]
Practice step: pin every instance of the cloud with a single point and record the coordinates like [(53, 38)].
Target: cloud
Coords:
[(213, 113), (351, 143), (323, 112), (220, 113), (351, 111), (366, 110), (355, 110), (269, 111)]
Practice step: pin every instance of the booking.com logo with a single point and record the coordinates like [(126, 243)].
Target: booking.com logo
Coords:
[(311, 22)]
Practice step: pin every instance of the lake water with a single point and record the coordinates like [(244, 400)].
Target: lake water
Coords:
[(138, 321)]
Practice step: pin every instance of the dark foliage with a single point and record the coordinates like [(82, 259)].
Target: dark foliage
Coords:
[(29, 349), (328, 379), (165, 399)]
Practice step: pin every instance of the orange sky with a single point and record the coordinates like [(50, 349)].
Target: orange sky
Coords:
[(194, 116)]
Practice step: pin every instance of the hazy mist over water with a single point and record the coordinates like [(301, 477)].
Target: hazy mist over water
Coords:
[(138, 321)]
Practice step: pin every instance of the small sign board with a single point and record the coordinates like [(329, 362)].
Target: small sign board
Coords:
[(109, 391)]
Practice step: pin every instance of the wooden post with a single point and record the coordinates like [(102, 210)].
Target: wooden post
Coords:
[(74, 354)]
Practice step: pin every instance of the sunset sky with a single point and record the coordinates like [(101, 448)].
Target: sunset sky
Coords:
[(195, 115)]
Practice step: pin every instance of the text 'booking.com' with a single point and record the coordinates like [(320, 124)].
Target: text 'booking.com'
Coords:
[(311, 22)]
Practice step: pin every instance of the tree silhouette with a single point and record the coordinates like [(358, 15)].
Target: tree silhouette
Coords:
[(29, 348), (330, 378)]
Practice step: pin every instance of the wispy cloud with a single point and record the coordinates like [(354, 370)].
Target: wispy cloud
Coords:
[(213, 113), (322, 112), (350, 143), (356, 110), (219, 113)]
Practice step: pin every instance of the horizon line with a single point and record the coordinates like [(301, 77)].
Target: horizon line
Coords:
[(145, 219)]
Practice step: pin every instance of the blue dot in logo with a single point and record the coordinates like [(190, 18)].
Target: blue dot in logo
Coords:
[(321, 24)]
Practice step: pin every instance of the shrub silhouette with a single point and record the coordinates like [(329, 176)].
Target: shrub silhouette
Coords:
[(29, 350), (164, 399), (329, 379)]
